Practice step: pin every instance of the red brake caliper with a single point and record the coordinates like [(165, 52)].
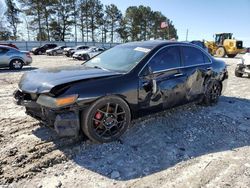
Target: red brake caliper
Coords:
[(98, 116)]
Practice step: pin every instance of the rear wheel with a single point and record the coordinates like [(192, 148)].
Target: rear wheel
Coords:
[(16, 64), (106, 119), (220, 52), (212, 92), (231, 55), (40, 53)]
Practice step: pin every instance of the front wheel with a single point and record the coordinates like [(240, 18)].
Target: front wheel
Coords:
[(212, 93), (221, 52), (106, 119)]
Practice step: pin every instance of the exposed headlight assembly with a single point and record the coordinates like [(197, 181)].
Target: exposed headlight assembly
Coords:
[(51, 102)]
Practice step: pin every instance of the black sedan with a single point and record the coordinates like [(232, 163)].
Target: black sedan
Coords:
[(101, 96), (42, 49)]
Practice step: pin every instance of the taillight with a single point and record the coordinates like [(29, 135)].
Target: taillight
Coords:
[(28, 54)]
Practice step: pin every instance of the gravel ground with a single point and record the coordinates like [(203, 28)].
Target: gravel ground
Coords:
[(189, 146)]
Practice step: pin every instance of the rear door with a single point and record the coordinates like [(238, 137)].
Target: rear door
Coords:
[(162, 87), (196, 66), (4, 58)]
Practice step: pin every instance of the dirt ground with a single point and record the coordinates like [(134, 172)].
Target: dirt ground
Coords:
[(189, 146)]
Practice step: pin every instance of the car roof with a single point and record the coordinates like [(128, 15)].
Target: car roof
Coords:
[(8, 47), (155, 43)]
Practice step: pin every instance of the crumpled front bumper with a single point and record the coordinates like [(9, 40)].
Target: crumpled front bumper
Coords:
[(65, 120)]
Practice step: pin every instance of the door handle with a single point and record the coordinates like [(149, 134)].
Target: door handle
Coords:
[(209, 68), (178, 74)]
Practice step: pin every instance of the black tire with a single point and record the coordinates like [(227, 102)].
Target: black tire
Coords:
[(238, 74), (220, 52), (39, 52), (212, 93), (16, 64), (231, 55), (238, 71), (106, 119), (54, 53)]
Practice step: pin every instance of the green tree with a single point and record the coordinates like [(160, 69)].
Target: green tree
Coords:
[(113, 18), (83, 10), (12, 16), (123, 30), (60, 26), (95, 16)]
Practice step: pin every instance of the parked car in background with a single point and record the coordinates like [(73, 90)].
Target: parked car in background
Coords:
[(56, 51), (87, 54), (70, 51), (13, 58), (9, 44), (101, 96), (42, 49), (244, 67)]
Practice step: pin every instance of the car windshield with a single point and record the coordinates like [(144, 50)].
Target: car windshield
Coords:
[(121, 58)]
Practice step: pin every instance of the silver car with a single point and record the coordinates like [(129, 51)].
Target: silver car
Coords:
[(87, 54), (56, 51), (13, 58)]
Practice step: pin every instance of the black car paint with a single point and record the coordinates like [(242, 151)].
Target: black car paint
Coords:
[(43, 48), (174, 87)]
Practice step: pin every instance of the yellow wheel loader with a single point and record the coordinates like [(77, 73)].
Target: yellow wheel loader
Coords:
[(224, 45)]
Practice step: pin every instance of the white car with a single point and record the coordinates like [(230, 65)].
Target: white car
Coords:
[(87, 54), (70, 51), (244, 67), (55, 51)]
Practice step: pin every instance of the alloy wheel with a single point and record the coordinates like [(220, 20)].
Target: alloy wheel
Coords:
[(108, 120)]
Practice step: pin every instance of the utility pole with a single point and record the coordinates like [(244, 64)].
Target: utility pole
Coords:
[(187, 35)]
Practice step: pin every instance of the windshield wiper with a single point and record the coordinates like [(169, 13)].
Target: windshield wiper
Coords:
[(97, 67)]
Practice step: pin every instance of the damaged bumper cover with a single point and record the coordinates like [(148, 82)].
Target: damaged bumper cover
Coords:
[(64, 118)]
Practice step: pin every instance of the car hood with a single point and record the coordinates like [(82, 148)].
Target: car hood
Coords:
[(49, 50), (67, 49), (81, 52), (43, 80)]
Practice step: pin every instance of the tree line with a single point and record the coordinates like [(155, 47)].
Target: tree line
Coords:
[(87, 20)]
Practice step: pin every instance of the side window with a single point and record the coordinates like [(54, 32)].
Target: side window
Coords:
[(3, 51), (167, 58), (192, 56), (206, 59)]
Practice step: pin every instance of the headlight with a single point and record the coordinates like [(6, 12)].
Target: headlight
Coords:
[(51, 102)]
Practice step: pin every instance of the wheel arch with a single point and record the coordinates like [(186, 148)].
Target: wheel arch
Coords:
[(92, 100), (16, 58)]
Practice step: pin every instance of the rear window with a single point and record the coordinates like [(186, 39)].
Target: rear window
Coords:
[(192, 56)]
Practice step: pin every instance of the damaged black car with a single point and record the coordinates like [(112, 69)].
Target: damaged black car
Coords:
[(103, 95)]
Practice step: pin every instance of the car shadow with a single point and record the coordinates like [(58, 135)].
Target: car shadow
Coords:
[(24, 69), (160, 141)]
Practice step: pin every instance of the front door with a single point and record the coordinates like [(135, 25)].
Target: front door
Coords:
[(161, 84)]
